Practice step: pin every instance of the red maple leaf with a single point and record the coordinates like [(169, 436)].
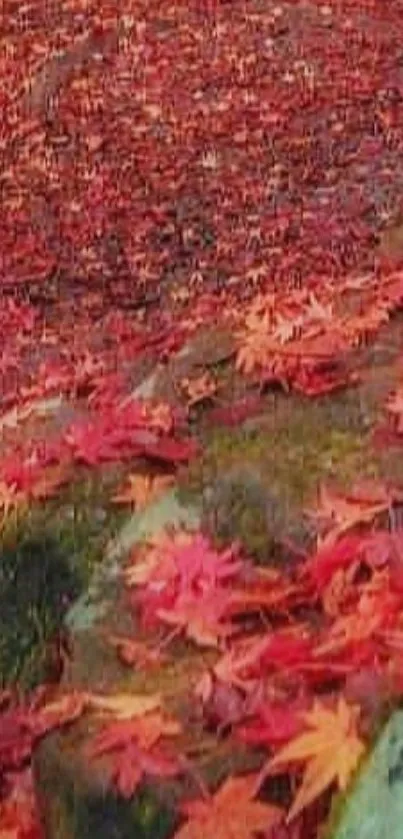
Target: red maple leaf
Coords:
[(19, 818), (183, 581), (129, 766), (342, 512), (133, 750), (22, 725), (331, 558), (289, 648), (91, 443), (201, 615), (274, 724)]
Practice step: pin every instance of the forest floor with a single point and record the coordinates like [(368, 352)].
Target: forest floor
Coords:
[(201, 280)]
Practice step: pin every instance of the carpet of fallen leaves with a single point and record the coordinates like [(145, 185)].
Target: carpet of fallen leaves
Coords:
[(167, 168)]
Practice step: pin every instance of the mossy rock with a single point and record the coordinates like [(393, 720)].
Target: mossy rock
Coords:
[(373, 806), (74, 797), (240, 506), (75, 801), (256, 480)]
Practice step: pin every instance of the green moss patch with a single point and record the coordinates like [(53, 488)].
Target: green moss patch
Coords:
[(256, 479), (47, 555)]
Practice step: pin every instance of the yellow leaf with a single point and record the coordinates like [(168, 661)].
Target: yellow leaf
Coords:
[(140, 489), (332, 751), (10, 499), (125, 705)]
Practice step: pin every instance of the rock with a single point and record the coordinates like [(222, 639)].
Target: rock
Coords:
[(374, 806), (239, 506), (75, 801), (96, 601), (74, 798), (209, 347), (74, 793)]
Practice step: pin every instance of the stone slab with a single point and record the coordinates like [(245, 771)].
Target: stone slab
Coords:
[(94, 603), (374, 807)]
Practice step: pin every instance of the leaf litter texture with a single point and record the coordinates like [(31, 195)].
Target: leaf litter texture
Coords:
[(296, 339)]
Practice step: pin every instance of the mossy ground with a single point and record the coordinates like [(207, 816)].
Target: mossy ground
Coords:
[(263, 474), (47, 554), (258, 479)]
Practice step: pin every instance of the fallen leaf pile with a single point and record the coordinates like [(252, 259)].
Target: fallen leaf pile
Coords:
[(171, 171), (267, 685)]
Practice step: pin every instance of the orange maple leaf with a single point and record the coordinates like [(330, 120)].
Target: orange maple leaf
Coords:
[(332, 750), (61, 711), (140, 489), (255, 343), (10, 498), (154, 559), (341, 513), (159, 417), (145, 730), (374, 612), (232, 813), (338, 589)]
